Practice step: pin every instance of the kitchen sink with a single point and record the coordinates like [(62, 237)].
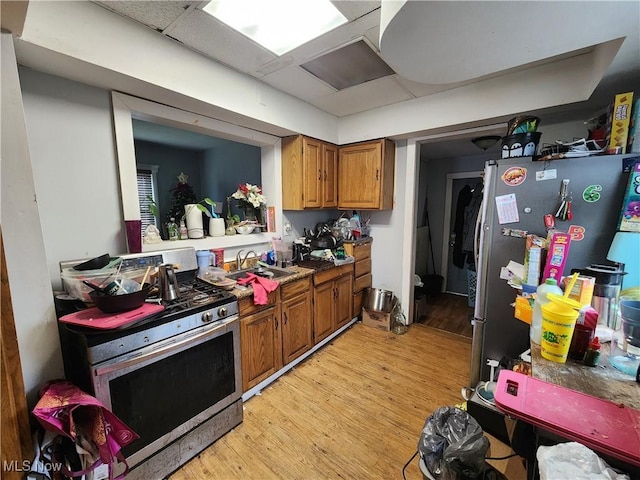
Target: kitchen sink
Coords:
[(273, 273)]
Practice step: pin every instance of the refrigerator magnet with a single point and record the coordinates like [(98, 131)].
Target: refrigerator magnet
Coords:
[(514, 176), (591, 194)]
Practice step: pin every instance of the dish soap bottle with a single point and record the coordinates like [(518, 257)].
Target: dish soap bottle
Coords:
[(183, 231), (172, 228), (549, 286)]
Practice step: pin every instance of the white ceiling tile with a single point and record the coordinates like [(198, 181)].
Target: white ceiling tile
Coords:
[(204, 33), (355, 9), (298, 82), (422, 89), (366, 96), (157, 15)]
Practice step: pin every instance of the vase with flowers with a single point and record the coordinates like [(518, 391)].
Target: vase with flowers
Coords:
[(250, 201)]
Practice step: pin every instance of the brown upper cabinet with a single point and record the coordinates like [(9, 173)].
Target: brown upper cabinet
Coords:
[(365, 175), (309, 173)]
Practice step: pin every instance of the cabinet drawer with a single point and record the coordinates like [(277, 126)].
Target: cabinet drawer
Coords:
[(331, 273), (291, 289), (247, 307), (358, 250), (362, 267), (362, 282)]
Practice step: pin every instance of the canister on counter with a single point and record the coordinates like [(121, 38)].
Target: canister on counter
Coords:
[(218, 254)]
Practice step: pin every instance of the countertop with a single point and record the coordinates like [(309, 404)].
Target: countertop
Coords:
[(300, 272), (603, 381)]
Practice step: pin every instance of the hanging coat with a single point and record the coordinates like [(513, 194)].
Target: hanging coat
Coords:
[(464, 197)]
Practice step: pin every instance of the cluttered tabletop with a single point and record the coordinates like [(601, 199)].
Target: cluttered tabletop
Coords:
[(602, 381)]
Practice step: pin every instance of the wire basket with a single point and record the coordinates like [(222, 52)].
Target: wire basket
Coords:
[(472, 281)]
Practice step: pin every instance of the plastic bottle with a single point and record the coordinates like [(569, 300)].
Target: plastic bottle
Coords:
[(172, 228), (549, 286), (183, 231)]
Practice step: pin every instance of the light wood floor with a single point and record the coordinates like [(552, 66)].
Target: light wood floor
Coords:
[(449, 312), (353, 410)]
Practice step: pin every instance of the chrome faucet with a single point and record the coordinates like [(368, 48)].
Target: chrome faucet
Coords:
[(240, 261)]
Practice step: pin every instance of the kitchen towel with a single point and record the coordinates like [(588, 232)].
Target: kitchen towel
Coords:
[(261, 287)]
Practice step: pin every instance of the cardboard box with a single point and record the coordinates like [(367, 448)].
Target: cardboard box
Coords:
[(559, 244), (379, 320), (534, 248), (582, 290), (524, 309), (618, 130), (630, 215), (633, 143)]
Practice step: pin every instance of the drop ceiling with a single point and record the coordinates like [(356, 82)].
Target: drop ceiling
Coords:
[(429, 47)]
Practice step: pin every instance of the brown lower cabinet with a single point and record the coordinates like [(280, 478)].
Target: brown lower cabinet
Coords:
[(275, 334), (332, 300)]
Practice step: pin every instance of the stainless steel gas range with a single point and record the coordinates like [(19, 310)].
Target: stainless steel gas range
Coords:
[(174, 378)]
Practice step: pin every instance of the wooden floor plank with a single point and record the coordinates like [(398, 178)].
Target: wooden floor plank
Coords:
[(449, 312), (354, 410)]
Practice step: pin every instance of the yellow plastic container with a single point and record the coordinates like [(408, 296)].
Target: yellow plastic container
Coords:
[(558, 323)]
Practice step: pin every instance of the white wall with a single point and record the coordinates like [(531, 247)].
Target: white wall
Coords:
[(31, 296), (74, 168)]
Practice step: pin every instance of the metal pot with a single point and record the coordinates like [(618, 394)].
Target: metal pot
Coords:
[(378, 300)]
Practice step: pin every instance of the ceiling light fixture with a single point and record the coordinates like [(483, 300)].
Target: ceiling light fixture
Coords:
[(485, 142), (278, 25)]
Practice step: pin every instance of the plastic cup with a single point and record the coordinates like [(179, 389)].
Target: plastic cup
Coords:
[(558, 323), (134, 235)]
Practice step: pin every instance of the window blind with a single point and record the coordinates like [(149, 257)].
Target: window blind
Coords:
[(145, 192)]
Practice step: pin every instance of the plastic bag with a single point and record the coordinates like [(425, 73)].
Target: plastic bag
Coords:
[(453, 445), (574, 460)]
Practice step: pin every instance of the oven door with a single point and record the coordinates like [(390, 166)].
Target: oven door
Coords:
[(164, 390)]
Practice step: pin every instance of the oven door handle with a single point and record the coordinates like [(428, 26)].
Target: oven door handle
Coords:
[(139, 357)]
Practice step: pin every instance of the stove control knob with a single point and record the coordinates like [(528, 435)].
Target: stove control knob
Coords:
[(222, 312), (207, 317)]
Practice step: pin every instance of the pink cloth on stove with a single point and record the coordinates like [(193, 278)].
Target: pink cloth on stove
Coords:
[(261, 287)]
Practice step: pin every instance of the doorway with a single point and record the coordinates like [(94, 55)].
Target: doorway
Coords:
[(461, 192)]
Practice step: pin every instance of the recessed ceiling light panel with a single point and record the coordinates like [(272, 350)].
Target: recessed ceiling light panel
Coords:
[(278, 25)]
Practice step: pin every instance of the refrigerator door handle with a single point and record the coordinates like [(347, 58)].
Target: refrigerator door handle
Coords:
[(476, 235)]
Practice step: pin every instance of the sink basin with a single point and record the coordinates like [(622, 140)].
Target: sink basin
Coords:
[(273, 273)]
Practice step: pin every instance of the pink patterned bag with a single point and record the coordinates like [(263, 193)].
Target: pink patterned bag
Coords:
[(68, 411)]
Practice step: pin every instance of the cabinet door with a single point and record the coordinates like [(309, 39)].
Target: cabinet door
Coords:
[(258, 338), (297, 334), (330, 176), (343, 300), (313, 173), (360, 176), (323, 308)]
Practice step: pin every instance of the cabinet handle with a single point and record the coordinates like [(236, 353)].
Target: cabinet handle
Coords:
[(325, 175), (285, 318), (377, 174), (276, 319), (319, 174)]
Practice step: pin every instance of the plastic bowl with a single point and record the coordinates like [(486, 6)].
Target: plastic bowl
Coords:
[(73, 281), (630, 310), (245, 229), (120, 303)]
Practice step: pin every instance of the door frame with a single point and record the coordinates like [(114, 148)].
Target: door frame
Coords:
[(448, 201)]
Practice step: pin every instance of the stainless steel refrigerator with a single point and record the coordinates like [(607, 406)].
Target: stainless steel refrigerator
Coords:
[(525, 190)]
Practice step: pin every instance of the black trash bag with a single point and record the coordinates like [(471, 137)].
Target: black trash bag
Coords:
[(453, 445)]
